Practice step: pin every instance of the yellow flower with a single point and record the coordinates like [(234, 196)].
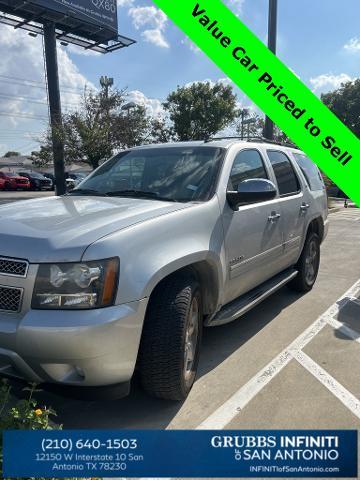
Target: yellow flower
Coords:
[(38, 412)]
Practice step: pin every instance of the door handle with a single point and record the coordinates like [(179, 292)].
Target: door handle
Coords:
[(304, 207), (274, 217)]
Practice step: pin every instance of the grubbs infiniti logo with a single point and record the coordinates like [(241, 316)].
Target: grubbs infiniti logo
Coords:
[(107, 5)]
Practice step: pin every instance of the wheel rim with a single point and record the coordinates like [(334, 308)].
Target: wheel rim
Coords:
[(191, 340), (311, 262)]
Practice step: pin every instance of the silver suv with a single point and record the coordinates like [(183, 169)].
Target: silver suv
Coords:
[(124, 271)]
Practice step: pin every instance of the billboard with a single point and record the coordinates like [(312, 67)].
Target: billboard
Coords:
[(92, 19)]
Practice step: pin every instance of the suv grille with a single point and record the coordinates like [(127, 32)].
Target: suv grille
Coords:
[(16, 268), (10, 299)]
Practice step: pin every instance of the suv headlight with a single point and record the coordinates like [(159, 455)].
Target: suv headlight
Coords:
[(73, 286)]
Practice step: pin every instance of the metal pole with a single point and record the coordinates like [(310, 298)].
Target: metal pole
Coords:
[(242, 124), (55, 106), (272, 36)]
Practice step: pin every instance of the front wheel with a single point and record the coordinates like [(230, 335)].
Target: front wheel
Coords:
[(308, 265), (170, 345)]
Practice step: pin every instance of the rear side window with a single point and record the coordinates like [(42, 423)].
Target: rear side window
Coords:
[(310, 171), (247, 164), (287, 180)]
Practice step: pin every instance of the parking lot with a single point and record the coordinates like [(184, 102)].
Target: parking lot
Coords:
[(12, 196), (292, 362)]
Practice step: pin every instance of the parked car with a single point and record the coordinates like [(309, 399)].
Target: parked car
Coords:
[(37, 181), (2, 184), (51, 176), (157, 243), (14, 181), (73, 179)]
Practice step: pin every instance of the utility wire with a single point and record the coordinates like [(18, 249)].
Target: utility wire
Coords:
[(30, 99), (36, 82), (23, 115), (42, 87)]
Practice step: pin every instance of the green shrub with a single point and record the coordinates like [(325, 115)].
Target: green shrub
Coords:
[(22, 414)]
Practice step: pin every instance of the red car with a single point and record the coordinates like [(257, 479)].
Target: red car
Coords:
[(13, 181)]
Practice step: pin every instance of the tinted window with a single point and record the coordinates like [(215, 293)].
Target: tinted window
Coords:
[(178, 173), (247, 164), (32, 175), (285, 175), (310, 171)]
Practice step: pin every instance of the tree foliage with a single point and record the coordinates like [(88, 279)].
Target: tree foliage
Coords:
[(201, 110), (44, 155), (102, 126), (11, 154), (345, 103)]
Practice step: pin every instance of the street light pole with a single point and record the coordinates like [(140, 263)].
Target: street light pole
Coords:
[(272, 37)]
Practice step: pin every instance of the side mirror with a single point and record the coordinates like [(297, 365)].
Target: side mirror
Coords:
[(252, 191)]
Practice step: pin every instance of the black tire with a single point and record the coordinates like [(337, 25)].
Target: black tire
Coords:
[(162, 349), (307, 274)]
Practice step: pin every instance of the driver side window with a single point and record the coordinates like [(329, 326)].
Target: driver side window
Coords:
[(247, 164)]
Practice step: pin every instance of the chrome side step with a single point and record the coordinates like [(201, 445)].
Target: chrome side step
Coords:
[(246, 302)]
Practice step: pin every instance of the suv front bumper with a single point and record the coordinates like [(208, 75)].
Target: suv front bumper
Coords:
[(80, 348)]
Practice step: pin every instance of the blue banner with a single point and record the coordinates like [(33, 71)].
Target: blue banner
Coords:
[(180, 453)]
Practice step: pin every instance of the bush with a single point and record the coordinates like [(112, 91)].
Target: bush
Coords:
[(22, 414)]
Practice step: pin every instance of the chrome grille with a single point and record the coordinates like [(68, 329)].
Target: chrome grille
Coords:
[(10, 299), (15, 268)]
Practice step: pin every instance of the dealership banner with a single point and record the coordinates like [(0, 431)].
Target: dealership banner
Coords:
[(99, 12), (272, 86), (90, 19), (180, 453)]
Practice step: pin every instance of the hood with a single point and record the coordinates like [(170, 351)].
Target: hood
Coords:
[(19, 177), (59, 229)]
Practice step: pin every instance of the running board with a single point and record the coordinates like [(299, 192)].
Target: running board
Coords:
[(246, 302)]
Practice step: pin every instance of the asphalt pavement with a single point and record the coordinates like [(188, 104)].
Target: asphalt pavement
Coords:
[(16, 196)]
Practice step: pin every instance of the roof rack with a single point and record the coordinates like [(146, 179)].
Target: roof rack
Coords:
[(251, 139)]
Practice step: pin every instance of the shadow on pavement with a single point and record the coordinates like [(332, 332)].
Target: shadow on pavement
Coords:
[(349, 316), (138, 410)]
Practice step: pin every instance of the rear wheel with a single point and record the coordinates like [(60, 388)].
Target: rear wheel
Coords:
[(169, 350), (308, 265)]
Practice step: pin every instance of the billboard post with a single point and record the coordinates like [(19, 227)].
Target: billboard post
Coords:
[(54, 105), (272, 40), (89, 24)]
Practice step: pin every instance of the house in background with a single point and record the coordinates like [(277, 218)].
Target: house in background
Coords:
[(12, 163)]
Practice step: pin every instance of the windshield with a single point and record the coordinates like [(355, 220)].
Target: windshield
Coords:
[(179, 174), (32, 174), (9, 174)]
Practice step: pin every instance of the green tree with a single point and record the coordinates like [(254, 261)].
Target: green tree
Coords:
[(11, 154), (100, 127), (345, 103), (161, 131), (201, 110), (103, 126)]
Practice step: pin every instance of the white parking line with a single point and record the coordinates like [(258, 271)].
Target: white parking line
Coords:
[(232, 407), (347, 398)]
